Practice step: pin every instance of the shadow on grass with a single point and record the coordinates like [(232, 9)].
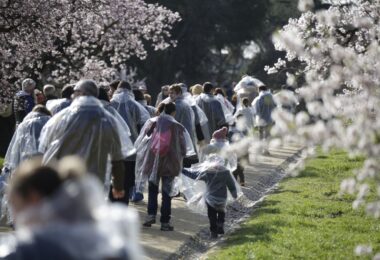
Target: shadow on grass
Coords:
[(260, 232), (281, 190), (309, 172)]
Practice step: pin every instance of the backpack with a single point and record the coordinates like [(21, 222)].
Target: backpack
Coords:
[(161, 142)]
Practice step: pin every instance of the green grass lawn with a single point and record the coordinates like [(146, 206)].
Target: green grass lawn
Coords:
[(1, 162), (306, 218)]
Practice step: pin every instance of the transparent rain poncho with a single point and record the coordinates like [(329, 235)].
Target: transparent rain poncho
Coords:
[(56, 105), (220, 148), (23, 146), (107, 105), (228, 108), (185, 116), (74, 224), (209, 182), (161, 147), (133, 113), (245, 119), (88, 130), (24, 143), (263, 106), (213, 110)]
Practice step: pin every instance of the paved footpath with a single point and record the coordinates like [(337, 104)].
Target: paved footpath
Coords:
[(260, 176)]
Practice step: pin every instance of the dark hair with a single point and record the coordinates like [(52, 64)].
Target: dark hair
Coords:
[(169, 108), (176, 88), (41, 109), (219, 91), (67, 91), (208, 87), (103, 95), (160, 108), (114, 84), (245, 102), (41, 179), (124, 84), (263, 88), (139, 95)]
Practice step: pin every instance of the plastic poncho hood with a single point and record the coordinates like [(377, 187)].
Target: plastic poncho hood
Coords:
[(88, 130)]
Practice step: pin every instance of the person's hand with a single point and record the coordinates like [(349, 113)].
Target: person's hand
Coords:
[(118, 194)]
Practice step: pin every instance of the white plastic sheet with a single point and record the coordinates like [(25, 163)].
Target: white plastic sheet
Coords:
[(247, 87)]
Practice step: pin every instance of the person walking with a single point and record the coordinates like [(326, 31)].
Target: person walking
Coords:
[(23, 102), (219, 183), (89, 131), (56, 105), (212, 108), (161, 148), (263, 106), (58, 207)]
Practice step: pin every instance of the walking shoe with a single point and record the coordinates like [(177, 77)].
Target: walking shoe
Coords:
[(213, 235), (137, 197), (220, 229), (166, 227), (149, 221)]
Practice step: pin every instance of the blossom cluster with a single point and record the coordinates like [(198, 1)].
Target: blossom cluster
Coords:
[(338, 50), (61, 40)]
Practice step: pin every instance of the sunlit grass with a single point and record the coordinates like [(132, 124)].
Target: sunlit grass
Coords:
[(306, 218)]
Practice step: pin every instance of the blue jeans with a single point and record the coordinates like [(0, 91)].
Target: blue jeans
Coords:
[(166, 205)]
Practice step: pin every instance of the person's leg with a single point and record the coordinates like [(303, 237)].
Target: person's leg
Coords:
[(241, 174), (212, 217), (152, 204), (261, 133), (220, 222), (166, 205), (266, 132)]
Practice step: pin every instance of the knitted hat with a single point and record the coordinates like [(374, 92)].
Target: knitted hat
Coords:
[(220, 134)]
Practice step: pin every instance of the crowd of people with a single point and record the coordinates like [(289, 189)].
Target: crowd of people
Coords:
[(129, 147)]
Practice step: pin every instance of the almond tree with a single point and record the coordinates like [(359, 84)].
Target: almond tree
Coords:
[(52, 40)]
